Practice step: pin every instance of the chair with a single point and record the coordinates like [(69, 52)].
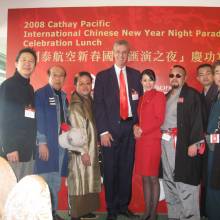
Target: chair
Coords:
[(29, 200)]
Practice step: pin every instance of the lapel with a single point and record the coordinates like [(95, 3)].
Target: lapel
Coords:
[(211, 94), (114, 83), (129, 81), (181, 103)]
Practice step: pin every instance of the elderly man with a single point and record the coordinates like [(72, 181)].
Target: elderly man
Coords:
[(51, 112), (181, 142)]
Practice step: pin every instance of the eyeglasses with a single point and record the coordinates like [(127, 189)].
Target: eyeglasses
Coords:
[(176, 76)]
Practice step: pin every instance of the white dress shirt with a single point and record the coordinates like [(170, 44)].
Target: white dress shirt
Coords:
[(118, 70)]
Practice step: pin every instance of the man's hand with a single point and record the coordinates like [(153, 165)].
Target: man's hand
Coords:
[(137, 131), (86, 159), (13, 156), (106, 140), (192, 150), (43, 152)]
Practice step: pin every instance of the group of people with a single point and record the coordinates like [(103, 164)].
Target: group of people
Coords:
[(176, 136)]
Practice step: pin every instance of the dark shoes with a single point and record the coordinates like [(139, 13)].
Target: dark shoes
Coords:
[(147, 217), (111, 216), (129, 214), (89, 216), (57, 217)]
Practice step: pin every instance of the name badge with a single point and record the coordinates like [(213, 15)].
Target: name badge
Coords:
[(29, 113), (134, 95), (166, 137), (214, 138)]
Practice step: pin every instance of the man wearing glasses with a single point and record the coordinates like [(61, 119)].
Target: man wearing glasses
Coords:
[(182, 144)]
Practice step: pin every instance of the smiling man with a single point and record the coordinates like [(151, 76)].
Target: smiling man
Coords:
[(116, 94), (51, 112), (17, 115)]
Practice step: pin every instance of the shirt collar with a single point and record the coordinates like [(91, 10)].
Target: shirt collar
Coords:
[(118, 69), (21, 79)]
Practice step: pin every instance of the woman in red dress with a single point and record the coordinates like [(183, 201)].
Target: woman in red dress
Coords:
[(151, 110)]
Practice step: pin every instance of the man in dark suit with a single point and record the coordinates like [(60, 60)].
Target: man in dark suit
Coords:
[(205, 77), (116, 94)]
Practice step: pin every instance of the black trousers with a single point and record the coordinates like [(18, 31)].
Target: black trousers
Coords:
[(118, 168)]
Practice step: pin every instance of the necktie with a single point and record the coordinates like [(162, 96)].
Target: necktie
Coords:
[(123, 97)]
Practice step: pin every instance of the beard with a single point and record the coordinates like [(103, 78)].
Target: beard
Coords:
[(175, 86)]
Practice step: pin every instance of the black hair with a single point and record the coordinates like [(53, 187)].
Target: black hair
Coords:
[(27, 50), (215, 64), (80, 74), (150, 73), (203, 65)]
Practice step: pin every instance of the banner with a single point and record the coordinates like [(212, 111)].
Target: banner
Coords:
[(82, 38)]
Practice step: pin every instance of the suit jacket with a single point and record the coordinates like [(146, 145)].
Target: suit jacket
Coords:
[(207, 101), (106, 99), (190, 131)]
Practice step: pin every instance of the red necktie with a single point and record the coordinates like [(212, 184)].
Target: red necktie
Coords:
[(123, 97)]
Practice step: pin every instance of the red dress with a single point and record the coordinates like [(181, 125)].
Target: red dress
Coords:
[(151, 111)]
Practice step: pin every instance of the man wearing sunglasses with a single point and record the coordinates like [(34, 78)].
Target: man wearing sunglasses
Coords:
[(182, 142)]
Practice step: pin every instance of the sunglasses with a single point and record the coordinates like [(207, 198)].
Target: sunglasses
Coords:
[(176, 76)]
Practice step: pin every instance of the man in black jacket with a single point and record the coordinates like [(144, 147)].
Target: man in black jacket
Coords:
[(181, 140), (17, 115), (208, 95)]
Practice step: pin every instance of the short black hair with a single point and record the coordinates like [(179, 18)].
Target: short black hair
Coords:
[(27, 50), (203, 65), (61, 67), (150, 73), (179, 66), (215, 64), (80, 74)]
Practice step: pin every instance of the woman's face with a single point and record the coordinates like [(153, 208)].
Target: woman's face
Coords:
[(147, 83), (84, 86)]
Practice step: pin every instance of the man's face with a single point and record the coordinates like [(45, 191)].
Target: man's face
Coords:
[(120, 53), (205, 76), (84, 86), (56, 77), (177, 77), (217, 76), (25, 64)]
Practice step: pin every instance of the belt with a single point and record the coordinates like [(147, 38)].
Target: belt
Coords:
[(127, 119), (173, 133)]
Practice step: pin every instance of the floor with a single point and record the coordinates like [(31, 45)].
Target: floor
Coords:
[(102, 216)]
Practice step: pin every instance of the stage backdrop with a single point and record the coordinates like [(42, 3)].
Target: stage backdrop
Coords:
[(82, 38)]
